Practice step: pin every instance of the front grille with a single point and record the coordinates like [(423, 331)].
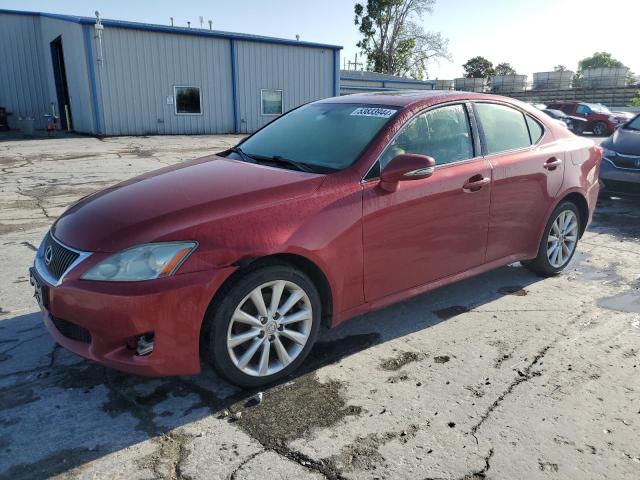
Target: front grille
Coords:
[(71, 330), (60, 257), (622, 187), (627, 161)]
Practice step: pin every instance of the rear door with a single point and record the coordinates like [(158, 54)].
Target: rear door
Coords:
[(430, 228), (528, 169)]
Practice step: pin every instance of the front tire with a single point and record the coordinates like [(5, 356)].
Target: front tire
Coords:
[(578, 129), (263, 326), (559, 241)]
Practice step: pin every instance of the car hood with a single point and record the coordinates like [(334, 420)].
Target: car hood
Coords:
[(171, 203), (624, 141)]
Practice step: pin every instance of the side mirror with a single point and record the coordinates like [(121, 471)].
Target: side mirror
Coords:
[(406, 166)]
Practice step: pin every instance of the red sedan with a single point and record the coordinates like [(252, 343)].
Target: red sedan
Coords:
[(335, 209)]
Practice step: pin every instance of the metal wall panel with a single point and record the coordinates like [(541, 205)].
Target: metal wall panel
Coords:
[(23, 88), (73, 46), (303, 74), (139, 72)]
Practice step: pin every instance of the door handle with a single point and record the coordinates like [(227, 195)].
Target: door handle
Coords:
[(552, 163), (475, 183)]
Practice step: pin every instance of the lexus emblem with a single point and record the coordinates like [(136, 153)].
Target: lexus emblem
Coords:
[(48, 255)]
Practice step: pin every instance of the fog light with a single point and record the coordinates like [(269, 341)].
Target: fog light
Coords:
[(145, 344)]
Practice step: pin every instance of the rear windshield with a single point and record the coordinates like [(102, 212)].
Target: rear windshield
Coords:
[(328, 135), (599, 108)]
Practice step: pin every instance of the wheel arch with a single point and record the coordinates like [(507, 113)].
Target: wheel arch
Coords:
[(580, 202), (302, 263)]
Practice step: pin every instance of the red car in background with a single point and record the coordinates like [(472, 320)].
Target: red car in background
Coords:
[(600, 120), (335, 209)]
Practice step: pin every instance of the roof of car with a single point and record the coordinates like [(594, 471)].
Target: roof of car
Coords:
[(405, 98)]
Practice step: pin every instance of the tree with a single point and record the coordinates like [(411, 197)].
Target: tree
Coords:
[(560, 68), (478, 67), (393, 40), (635, 102), (504, 69), (599, 60)]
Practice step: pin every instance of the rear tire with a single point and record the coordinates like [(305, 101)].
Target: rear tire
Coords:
[(559, 241), (252, 340), (600, 129)]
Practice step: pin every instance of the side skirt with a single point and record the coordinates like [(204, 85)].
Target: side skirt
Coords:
[(420, 289)]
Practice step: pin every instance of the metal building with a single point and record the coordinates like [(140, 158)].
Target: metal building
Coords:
[(112, 77), (357, 81)]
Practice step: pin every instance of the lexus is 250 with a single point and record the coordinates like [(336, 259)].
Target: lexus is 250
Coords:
[(337, 208)]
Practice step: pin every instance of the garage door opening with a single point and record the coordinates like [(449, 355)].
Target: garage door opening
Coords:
[(62, 89)]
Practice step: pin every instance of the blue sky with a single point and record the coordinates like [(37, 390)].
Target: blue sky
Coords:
[(531, 35)]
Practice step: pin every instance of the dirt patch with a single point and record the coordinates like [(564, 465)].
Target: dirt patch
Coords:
[(441, 359), (450, 312), (363, 454), (396, 363), (12, 397), (293, 409), (513, 290)]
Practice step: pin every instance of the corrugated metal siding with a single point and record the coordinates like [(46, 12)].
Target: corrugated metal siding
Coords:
[(23, 88), (303, 74), (76, 67), (140, 70)]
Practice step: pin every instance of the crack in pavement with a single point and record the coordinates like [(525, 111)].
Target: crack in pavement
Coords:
[(523, 376), (247, 460), (477, 475)]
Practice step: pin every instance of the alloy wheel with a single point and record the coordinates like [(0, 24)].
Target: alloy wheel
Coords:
[(269, 328), (600, 129), (562, 239)]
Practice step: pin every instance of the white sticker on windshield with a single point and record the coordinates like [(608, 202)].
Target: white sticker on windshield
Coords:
[(373, 112)]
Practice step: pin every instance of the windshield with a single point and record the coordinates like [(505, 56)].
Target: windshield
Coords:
[(330, 136), (598, 108), (633, 124)]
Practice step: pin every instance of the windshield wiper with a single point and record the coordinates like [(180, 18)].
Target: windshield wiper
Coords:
[(303, 167), (245, 156)]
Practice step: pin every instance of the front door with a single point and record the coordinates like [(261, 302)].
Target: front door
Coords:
[(432, 228)]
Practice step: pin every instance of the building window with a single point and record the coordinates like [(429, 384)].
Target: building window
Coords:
[(271, 102), (188, 100)]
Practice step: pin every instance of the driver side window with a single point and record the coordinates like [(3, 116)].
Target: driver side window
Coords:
[(443, 133)]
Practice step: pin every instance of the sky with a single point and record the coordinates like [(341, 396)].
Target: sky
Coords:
[(532, 35)]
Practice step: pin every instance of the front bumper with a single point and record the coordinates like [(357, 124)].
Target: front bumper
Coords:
[(99, 320), (619, 181)]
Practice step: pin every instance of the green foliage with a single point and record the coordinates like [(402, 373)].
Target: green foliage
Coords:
[(393, 39), (636, 100), (504, 68), (478, 67), (599, 60), (560, 68)]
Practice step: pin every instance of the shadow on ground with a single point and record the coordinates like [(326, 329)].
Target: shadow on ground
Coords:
[(77, 411)]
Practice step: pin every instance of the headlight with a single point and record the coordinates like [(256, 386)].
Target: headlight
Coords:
[(606, 153), (613, 119), (144, 262)]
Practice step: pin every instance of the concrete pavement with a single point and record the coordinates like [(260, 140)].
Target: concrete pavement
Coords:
[(502, 376)]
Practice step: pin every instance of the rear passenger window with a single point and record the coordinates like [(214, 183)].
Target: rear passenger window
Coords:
[(535, 130), (442, 133), (504, 127)]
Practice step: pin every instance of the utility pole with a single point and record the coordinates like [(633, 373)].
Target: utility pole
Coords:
[(355, 64)]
